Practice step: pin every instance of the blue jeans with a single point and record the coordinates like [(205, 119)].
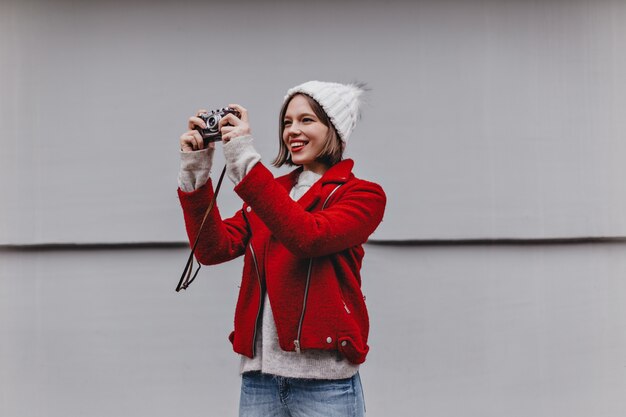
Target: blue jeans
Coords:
[(268, 395)]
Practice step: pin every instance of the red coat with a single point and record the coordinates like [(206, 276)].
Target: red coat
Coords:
[(307, 259)]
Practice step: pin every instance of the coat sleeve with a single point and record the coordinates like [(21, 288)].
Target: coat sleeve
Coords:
[(220, 240), (349, 220)]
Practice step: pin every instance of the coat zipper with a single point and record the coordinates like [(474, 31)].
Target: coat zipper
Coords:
[(258, 277), (306, 293), (296, 342), (345, 305)]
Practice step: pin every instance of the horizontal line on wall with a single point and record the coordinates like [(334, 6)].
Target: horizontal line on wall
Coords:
[(377, 242), (498, 241), (94, 246)]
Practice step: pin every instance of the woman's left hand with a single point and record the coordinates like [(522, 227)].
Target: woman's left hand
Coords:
[(232, 126)]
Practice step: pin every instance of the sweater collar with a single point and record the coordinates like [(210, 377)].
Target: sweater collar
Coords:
[(337, 174)]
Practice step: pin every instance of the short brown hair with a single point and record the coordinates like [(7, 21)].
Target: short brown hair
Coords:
[(333, 146)]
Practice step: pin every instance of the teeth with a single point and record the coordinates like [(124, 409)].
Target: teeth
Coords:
[(295, 144)]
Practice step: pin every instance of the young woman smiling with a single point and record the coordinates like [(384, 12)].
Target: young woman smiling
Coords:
[(301, 323)]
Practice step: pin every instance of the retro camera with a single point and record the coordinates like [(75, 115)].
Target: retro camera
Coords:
[(212, 120)]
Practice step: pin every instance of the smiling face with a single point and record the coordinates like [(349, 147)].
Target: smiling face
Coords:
[(304, 135)]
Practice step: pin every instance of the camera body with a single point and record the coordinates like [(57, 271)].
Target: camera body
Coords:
[(212, 120)]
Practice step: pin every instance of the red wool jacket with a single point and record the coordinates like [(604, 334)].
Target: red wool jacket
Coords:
[(306, 254)]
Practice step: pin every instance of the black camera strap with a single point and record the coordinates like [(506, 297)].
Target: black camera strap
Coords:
[(186, 279)]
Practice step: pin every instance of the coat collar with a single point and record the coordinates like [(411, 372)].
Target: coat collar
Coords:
[(339, 173)]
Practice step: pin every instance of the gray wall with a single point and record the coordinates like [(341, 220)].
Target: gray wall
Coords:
[(483, 331), (486, 119)]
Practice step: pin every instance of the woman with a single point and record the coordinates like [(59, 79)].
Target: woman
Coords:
[(301, 323)]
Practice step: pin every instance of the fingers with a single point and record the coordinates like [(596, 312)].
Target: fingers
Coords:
[(196, 121), (232, 127), (241, 110), (227, 129), (191, 141), (230, 132), (229, 119)]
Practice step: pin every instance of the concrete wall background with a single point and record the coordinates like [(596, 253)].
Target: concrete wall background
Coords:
[(487, 119), (457, 330)]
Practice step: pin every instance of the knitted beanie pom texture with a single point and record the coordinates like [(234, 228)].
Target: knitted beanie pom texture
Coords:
[(341, 102)]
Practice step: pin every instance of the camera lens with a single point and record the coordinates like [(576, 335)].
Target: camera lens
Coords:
[(212, 121)]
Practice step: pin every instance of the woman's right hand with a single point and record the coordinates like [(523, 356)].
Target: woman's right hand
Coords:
[(191, 140)]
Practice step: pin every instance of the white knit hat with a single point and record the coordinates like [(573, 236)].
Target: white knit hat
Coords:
[(339, 101)]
